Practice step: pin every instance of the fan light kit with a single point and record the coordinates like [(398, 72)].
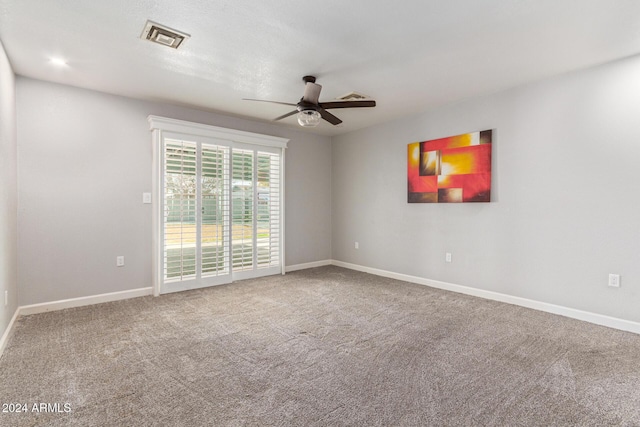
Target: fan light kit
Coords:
[(309, 118), (309, 111)]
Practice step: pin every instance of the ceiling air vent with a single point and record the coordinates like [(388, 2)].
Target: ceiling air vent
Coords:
[(353, 96), (163, 35)]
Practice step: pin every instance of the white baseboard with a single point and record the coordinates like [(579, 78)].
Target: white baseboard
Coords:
[(304, 266), (8, 332), (82, 301), (598, 319)]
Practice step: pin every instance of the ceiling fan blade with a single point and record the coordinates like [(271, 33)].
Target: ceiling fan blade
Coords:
[(286, 115), (311, 92), (329, 117), (271, 102), (347, 104)]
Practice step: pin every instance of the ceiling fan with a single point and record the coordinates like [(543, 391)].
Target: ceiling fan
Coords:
[(310, 111)]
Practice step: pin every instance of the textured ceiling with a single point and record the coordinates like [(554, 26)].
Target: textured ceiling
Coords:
[(410, 56)]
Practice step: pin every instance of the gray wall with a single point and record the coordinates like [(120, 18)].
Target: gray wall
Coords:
[(564, 213), (566, 194), (8, 192), (84, 160)]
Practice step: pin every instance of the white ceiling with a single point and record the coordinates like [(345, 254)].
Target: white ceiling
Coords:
[(410, 56)]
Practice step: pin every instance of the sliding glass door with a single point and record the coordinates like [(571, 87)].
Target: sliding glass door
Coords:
[(255, 213), (221, 211), (196, 201)]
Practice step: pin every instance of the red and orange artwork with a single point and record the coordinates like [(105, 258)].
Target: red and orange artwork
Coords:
[(456, 169)]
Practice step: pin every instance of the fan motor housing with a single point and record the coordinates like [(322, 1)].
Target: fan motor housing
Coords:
[(304, 106)]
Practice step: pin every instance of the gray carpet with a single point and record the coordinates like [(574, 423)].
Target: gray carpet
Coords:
[(320, 347)]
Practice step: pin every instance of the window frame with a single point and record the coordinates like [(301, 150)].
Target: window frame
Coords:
[(161, 126)]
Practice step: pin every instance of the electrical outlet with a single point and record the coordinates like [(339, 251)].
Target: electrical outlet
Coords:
[(447, 257), (120, 261), (146, 197), (614, 280), (357, 245)]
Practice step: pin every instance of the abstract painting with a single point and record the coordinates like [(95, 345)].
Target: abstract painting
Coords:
[(456, 169)]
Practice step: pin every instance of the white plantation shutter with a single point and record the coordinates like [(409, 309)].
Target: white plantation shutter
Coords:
[(219, 205), (243, 209), (179, 210), (196, 212), (268, 210), (215, 204)]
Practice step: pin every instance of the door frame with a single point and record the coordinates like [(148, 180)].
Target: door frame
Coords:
[(161, 125)]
